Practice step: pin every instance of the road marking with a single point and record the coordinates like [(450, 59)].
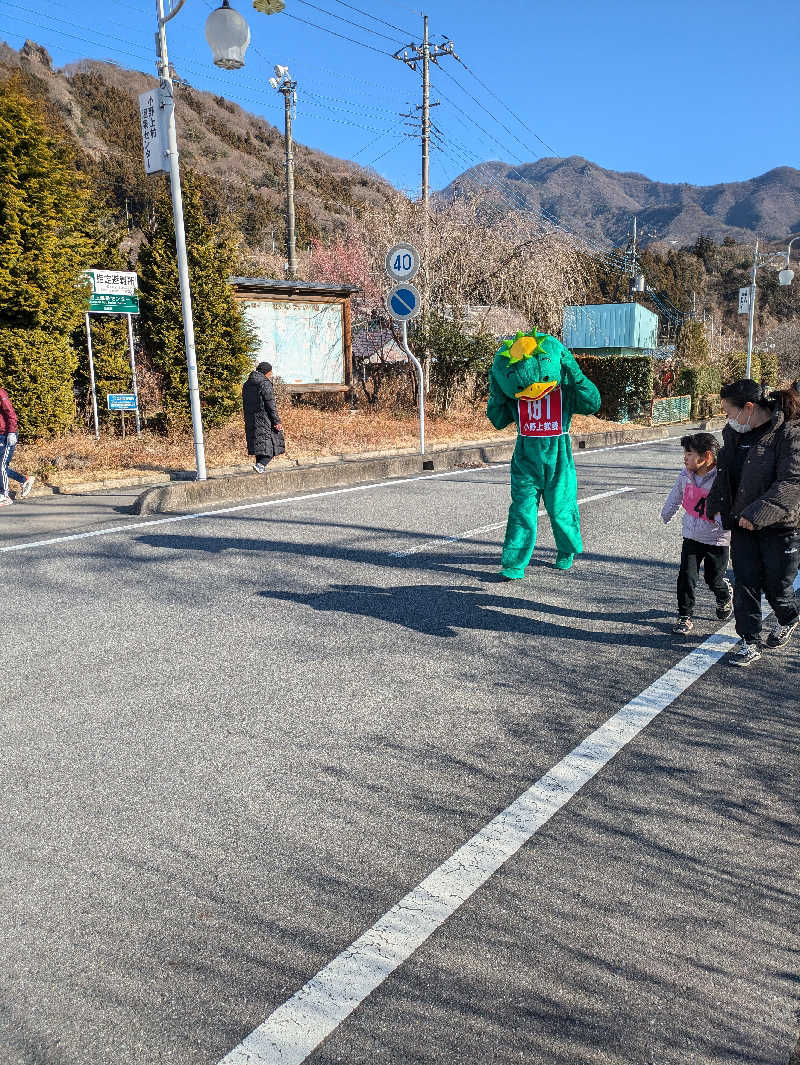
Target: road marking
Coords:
[(95, 533), (488, 528), (242, 506), (297, 1027)]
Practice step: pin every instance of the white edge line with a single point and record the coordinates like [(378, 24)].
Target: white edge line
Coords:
[(94, 533), (296, 1028), (243, 506), (437, 541)]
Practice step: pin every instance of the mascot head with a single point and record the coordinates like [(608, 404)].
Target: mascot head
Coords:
[(535, 346)]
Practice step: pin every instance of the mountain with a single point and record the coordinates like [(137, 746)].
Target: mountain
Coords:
[(237, 157), (599, 204)]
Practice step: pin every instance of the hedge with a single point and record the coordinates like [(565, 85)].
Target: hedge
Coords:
[(736, 367), (699, 382), (625, 383), (37, 370)]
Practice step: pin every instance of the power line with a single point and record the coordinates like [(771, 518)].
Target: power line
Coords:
[(76, 37), (372, 143), (483, 107), (374, 17), (391, 148), (521, 121), (335, 34), (350, 103), (349, 22)]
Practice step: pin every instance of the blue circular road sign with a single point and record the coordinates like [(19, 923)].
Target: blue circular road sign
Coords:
[(403, 302)]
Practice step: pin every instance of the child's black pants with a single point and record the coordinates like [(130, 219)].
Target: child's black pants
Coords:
[(714, 561)]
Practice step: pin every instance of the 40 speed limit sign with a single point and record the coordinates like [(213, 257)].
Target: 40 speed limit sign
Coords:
[(402, 262)]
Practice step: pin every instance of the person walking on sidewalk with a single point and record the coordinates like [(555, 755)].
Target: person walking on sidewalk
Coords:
[(705, 542), (757, 496), (8, 442), (262, 424)]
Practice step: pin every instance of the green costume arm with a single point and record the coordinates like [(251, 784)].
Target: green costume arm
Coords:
[(499, 409), (585, 395)]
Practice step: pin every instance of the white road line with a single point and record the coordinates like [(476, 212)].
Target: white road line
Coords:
[(488, 528), (298, 1027), (95, 533), (241, 506)]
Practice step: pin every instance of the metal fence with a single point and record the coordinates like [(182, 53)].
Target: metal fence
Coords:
[(671, 409)]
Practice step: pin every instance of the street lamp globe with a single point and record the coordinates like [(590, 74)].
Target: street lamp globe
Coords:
[(228, 36), (785, 277)]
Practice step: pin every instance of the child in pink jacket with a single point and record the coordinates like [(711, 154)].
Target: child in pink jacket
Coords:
[(705, 542)]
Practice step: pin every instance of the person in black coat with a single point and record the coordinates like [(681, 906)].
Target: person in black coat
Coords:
[(262, 424), (757, 496)]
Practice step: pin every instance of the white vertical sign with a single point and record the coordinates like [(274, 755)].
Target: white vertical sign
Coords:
[(744, 300), (153, 139)]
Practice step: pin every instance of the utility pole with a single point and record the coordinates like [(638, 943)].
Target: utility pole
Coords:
[(426, 115), (751, 314), (415, 56), (168, 98), (288, 88), (422, 55)]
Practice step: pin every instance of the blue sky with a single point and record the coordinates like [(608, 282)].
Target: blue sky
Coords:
[(679, 91)]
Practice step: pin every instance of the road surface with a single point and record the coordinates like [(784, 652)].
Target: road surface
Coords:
[(235, 746)]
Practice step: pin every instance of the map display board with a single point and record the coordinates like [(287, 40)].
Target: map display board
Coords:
[(303, 341)]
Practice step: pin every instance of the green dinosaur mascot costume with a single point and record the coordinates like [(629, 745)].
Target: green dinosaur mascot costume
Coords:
[(536, 382)]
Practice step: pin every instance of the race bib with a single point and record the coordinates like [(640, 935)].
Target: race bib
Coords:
[(694, 501), (541, 417)]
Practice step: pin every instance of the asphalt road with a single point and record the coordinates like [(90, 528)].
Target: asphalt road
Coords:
[(233, 743)]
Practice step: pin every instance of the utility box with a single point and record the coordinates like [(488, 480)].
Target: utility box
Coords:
[(610, 329), (303, 329)]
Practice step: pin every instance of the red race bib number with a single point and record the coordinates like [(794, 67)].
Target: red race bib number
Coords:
[(694, 501), (541, 417)]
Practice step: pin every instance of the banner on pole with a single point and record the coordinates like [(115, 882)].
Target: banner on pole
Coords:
[(744, 300), (153, 140)]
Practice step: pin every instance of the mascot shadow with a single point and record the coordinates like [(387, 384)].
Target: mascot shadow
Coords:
[(446, 611)]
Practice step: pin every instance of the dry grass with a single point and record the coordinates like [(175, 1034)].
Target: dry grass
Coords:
[(311, 434)]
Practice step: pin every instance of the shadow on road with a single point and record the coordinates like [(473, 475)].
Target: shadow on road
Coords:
[(442, 610)]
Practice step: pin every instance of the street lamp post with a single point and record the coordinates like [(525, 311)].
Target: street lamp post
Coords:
[(786, 276), (757, 264), (282, 83), (228, 35)]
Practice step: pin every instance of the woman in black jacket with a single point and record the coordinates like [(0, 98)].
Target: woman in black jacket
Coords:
[(757, 496), (262, 424)]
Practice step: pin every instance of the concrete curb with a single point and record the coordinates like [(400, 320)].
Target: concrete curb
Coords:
[(340, 472)]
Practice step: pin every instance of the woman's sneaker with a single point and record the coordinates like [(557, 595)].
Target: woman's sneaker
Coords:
[(744, 654), (781, 634), (725, 606), (6, 501), (26, 486), (683, 626)]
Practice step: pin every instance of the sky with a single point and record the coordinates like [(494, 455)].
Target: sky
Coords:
[(681, 91)]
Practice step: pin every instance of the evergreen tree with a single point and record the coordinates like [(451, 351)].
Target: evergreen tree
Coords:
[(224, 342), (692, 346), (45, 244)]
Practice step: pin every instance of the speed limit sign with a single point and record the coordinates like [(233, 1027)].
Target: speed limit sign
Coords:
[(402, 262)]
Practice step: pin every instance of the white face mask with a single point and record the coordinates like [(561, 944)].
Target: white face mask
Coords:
[(738, 427)]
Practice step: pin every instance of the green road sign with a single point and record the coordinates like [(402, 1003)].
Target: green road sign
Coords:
[(113, 292), (113, 303)]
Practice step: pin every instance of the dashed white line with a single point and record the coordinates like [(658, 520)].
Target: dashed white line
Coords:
[(94, 533), (297, 1028), (438, 541)]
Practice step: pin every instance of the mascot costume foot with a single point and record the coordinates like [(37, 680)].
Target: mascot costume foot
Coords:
[(536, 383)]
